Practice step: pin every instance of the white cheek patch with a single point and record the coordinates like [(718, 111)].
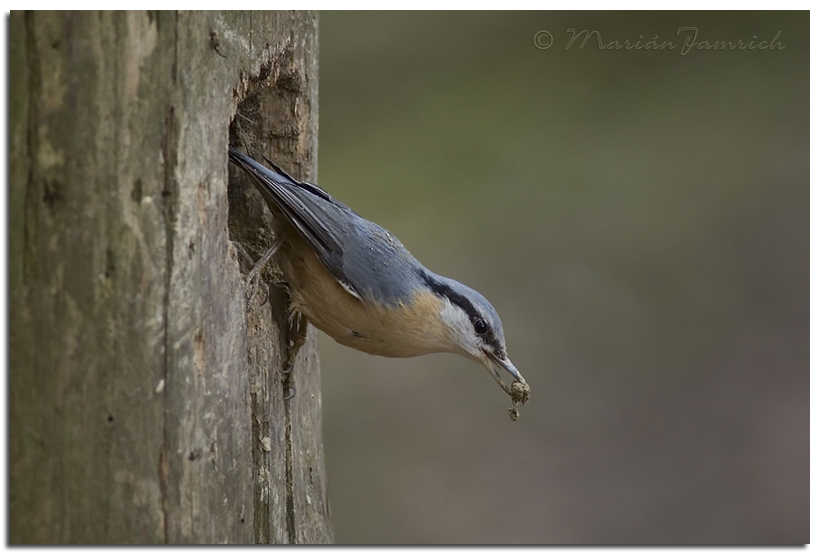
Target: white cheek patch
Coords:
[(452, 315), (460, 326)]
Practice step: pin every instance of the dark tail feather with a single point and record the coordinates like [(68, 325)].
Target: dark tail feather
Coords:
[(280, 190), (248, 163)]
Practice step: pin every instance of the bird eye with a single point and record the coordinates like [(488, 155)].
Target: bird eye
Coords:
[(480, 326)]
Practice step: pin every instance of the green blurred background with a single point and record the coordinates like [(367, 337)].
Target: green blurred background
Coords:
[(639, 219)]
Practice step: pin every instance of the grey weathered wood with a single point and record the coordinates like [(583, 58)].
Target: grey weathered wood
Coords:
[(146, 402)]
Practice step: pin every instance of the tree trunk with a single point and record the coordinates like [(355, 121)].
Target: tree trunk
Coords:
[(147, 402)]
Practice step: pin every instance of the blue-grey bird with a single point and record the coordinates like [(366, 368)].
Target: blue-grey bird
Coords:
[(356, 282)]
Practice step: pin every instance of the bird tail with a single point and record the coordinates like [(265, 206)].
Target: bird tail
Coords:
[(287, 195), (258, 170)]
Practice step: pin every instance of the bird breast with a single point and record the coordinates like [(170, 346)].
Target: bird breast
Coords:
[(403, 330)]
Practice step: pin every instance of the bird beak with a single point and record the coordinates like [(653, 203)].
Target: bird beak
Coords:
[(502, 362)]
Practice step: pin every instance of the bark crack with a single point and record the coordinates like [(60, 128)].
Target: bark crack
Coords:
[(290, 516), (170, 199)]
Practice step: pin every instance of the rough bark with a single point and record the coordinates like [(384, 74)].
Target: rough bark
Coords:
[(146, 402)]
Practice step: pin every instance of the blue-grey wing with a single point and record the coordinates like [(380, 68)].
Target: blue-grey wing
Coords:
[(318, 217), (365, 258), (378, 266)]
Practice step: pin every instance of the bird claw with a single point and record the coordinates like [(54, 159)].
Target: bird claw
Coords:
[(252, 287), (251, 281), (297, 334), (243, 253)]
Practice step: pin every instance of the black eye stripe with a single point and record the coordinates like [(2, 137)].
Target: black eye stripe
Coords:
[(488, 337), (446, 292)]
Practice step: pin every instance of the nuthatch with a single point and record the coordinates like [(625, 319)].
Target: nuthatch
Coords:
[(356, 282)]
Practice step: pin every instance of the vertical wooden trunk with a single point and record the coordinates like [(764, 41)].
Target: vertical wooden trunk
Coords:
[(147, 403)]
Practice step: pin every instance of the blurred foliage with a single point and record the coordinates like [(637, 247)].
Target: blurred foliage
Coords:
[(639, 219)]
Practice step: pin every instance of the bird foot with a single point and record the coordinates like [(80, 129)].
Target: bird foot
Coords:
[(297, 335), (252, 280)]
